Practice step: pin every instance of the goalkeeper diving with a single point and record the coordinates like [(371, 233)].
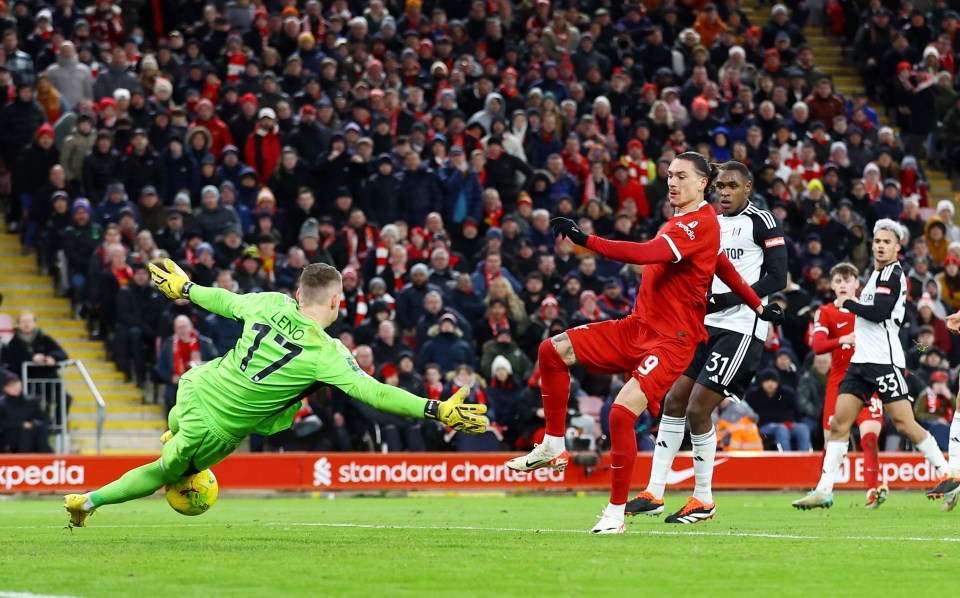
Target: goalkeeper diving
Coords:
[(283, 355)]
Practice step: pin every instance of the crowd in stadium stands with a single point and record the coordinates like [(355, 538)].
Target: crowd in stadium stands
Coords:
[(422, 149)]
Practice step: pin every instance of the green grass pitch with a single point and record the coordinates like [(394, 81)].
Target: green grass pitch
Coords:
[(487, 545)]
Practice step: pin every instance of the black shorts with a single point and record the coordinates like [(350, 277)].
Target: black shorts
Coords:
[(727, 362), (864, 379)]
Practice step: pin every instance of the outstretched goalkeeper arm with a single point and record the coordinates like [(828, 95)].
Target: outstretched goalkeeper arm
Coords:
[(339, 368), (174, 283)]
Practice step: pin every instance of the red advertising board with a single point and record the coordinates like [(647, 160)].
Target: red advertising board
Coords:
[(453, 471)]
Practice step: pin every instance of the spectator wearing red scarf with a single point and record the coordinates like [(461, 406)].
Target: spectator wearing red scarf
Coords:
[(180, 353)]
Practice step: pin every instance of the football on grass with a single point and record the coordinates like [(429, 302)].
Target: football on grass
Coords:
[(193, 495)]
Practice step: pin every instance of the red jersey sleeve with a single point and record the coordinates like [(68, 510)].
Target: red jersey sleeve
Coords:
[(821, 341), (728, 274), (681, 234), (656, 251)]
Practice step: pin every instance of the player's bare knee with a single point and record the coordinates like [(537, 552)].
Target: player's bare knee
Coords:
[(700, 408), (698, 418), (907, 426), (674, 405), (839, 430), (631, 396), (678, 397)]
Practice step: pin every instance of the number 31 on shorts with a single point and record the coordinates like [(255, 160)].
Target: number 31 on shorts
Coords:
[(648, 364)]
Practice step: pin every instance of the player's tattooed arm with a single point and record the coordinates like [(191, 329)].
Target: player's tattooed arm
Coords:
[(561, 343)]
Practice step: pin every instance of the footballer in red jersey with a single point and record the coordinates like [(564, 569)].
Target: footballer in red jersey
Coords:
[(833, 334), (656, 342)]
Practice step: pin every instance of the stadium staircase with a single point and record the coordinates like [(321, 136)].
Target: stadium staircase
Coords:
[(846, 80), (131, 426)]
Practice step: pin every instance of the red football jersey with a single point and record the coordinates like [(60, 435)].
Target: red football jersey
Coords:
[(673, 296), (832, 322)]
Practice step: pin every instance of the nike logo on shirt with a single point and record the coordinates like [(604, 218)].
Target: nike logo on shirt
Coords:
[(842, 324)]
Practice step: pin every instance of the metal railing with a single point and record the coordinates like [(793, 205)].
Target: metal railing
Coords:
[(53, 391)]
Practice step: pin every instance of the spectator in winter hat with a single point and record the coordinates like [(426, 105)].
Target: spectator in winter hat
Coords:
[(946, 211), (213, 218), (446, 346), (262, 149)]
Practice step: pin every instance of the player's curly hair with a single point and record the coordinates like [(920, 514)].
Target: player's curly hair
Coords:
[(703, 167)]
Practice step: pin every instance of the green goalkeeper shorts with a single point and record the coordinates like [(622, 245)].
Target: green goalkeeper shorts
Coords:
[(198, 443)]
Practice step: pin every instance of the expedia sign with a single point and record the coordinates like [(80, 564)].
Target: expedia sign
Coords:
[(894, 473), (37, 477)]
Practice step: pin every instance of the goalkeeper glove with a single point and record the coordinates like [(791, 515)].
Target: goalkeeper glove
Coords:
[(568, 228), (173, 281), (460, 417), (773, 313)]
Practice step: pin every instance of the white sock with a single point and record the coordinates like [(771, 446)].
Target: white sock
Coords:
[(669, 439), (704, 453), (615, 511), (88, 505), (556, 444), (836, 451), (953, 450), (928, 446)]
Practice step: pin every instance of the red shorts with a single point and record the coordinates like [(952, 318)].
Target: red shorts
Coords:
[(631, 348), (871, 412)]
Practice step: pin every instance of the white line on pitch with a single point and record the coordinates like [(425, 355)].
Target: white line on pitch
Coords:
[(5, 594), (634, 530)]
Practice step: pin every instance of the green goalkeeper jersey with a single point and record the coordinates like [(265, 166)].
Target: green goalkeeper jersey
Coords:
[(281, 357)]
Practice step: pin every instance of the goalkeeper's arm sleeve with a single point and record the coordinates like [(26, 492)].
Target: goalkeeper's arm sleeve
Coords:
[(218, 301), (387, 398), (339, 368)]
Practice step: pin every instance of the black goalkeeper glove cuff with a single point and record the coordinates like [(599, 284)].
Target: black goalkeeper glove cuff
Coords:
[(565, 227), (431, 410)]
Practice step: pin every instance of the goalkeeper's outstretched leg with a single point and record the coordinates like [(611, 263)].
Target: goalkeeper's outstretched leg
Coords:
[(190, 446)]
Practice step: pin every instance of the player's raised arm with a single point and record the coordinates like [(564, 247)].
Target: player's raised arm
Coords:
[(884, 301), (339, 368), (659, 250), (173, 283)]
